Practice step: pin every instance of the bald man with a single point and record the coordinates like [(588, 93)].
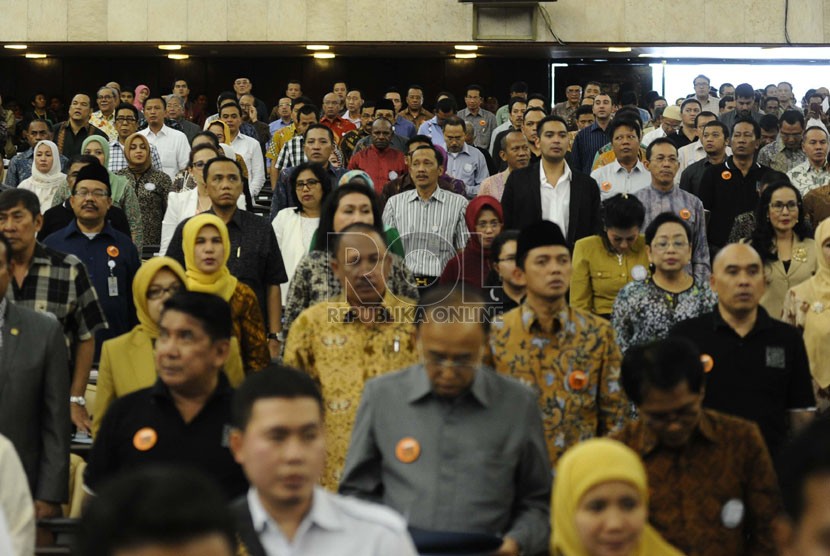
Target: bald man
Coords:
[(757, 365), (331, 117)]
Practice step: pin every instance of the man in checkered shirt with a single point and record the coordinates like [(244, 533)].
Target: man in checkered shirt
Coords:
[(53, 283)]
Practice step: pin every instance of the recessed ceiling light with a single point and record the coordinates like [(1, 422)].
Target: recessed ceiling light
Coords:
[(33, 56), (467, 47), (324, 55), (15, 46), (178, 56), (170, 47), (468, 56), (317, 47), (619, 49)]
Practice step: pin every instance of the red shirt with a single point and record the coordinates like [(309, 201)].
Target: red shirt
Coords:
[(338, 126), (382, 166)]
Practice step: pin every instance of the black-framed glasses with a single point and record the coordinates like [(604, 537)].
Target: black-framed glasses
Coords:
[(156, 292), (311, 184), (779, 206), (97, 193), (125, 119)]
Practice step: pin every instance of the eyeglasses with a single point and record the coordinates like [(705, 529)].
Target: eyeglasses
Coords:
[(683, 414), (98, 193), (311, 184), (125, 119), (492, 224), (663, 245), (511, 259), (453, 364), (779, 207), (157, 292)]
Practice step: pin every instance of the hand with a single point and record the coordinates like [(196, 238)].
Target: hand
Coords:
[(509, 547), (275, 347), (45, 510), (252, 114), (80, 417)]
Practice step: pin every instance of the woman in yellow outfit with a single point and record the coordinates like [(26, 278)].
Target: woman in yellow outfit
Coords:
[(600, 504), (127, 362), (207, 248)]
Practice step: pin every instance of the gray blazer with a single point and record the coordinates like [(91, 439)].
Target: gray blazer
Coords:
[(34, 399)]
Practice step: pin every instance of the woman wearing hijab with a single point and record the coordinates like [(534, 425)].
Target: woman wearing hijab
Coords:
[(127, 362), (595, 480), (150, 186), (485, 220), (122, 196), (47, 181), (141, 94), (807, 306), (207, 247)]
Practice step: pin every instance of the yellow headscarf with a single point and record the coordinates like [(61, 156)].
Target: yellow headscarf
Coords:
[(141, 282), (815, 292), (583, 467), (221, 282)]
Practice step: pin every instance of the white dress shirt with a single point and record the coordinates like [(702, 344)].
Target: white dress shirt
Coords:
[(556, 200), (614, 179), (17, 510), (652, 135), (249, 149), (335, 525), (173, 148)]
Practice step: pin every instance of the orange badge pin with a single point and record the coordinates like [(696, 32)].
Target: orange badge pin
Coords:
[(726, 174), (605, 186), (578, 380), (407, 450), (112, 251), (145, 439), (685, 214), (482, 123), (708, 362)]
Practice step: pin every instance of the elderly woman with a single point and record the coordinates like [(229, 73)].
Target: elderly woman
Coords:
[(604, 263), (47, 181), (782, 238), (150, 186), (295, 226), (485, 219), (602, 485)]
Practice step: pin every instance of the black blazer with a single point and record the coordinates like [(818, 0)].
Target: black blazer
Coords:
[(247, 539), (522, 202)]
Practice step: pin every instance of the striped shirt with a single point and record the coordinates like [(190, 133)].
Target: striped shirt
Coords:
[(432, 231), (118, 160), (587, 143), (59, 285), (292, 153)]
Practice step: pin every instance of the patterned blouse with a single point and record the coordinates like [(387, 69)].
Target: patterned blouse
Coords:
[(574, 371), (644, 312), (314, 281), (249, 328), (152, 188)]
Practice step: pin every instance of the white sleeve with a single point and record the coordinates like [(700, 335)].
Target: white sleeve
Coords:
[(170, 221), (257, 172), (17, 509)]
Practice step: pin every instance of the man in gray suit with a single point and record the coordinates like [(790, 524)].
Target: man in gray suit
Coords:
[(34, 387)]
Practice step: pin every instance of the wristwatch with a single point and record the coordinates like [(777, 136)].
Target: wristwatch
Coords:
[(279, 336), (79, 400)]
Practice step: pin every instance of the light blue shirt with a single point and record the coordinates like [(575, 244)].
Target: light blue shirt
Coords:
[(434, 131), (335, 525), (614, 179), (469, 166)]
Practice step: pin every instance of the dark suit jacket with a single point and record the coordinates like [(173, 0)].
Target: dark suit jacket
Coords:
[(522, 202), (34, 399), (246, 536)]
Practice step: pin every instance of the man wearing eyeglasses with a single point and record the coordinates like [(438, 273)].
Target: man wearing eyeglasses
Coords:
[(126, 123), (567, 109), (104, 118), (110, 257), (699, 461), (451, 444), (707, 102)]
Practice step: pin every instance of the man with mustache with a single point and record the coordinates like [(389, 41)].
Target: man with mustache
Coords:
[(363, 333)]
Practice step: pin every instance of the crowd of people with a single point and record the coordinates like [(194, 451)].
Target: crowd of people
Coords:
[(596, 327)]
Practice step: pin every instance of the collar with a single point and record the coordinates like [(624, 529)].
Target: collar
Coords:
[(163, 131), (661, 192), (638, 167), (567, 175), (464, 150), (99, 114), (334, 120), (705, 429), (3, 305), (762, 322), (437, 195), (419, 386), (72, 229), (235, 219), (812, 170), (347, 314), (562, 320), (160, 389), (729, 163), (29, 153), (323, 514)]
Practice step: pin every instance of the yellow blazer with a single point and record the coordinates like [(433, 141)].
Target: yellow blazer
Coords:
[(127, 365), (599, 275), (802, 266)]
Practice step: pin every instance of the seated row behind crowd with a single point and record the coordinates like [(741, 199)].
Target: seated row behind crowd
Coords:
[(350, 310)]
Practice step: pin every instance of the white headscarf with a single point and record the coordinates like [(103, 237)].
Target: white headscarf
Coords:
[(45, 185)]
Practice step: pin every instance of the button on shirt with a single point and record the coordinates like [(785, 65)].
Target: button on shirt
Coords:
[(334, 525), (614, 179), (432, 231), (382, 165), (173, 148), (482, 466), (556, 200), (469, 166), (760, 377)]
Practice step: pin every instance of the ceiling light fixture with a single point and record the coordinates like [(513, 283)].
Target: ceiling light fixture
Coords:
[(15, 46), (170, 47), (619, 49), (466, 47), (470, 56), (33, 56), (178, 56), (324, 55), (317, 47)]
